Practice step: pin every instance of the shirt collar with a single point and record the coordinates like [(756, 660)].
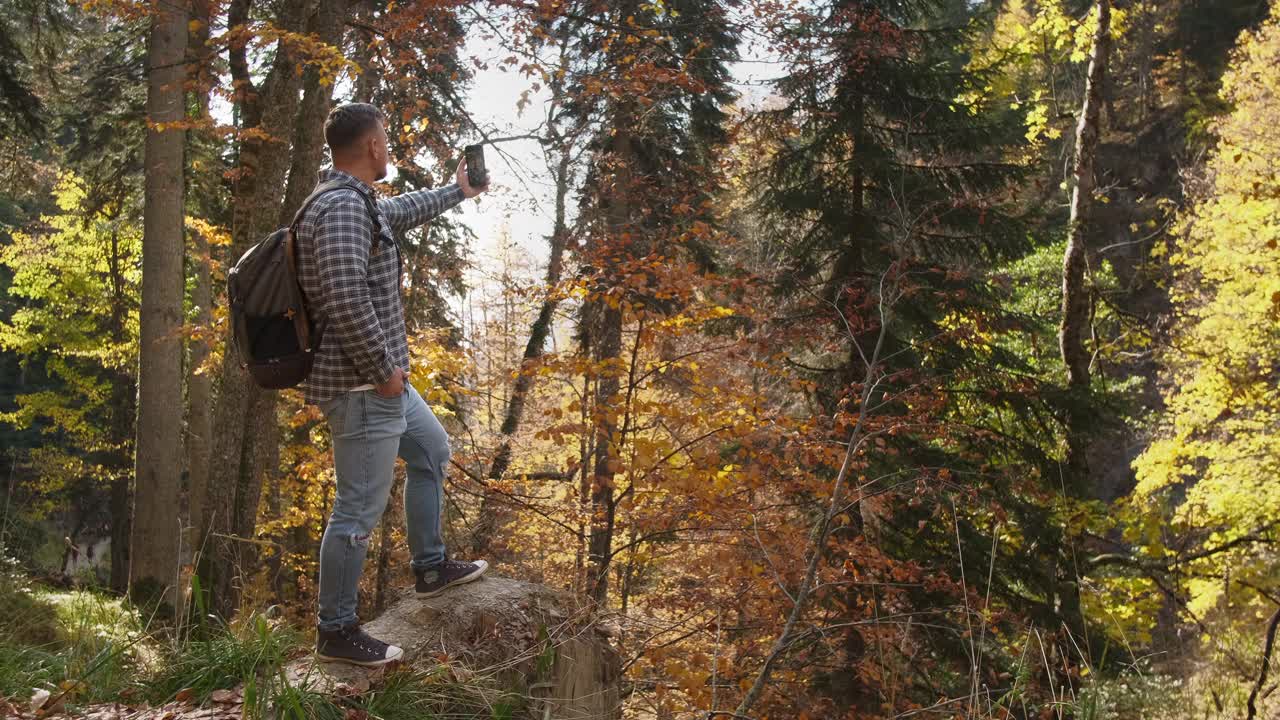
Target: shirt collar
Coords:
[(332, 173)]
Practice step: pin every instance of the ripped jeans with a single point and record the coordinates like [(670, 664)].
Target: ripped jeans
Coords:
[(369, 431)]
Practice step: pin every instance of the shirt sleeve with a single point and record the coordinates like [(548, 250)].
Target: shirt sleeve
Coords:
[(408, 211), (343, 236)]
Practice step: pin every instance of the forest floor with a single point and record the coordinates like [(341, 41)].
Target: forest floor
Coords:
[(85, 654)]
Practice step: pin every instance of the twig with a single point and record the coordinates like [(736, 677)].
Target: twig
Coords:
[(820, 536), (1266, 665), (755, 528), (1257, 536)]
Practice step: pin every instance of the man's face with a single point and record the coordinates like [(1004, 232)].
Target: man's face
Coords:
[(381, 154)]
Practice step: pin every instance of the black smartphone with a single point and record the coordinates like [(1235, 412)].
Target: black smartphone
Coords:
[(477, 176)]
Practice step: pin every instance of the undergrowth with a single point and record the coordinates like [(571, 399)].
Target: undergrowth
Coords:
[(86, 647)]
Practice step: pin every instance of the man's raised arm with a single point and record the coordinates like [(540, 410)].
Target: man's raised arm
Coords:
[(408, 211)]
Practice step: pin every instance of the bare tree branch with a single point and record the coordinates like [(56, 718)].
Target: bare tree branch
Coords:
[(856, 437)]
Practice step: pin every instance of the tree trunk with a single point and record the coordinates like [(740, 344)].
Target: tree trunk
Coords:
[(1075, 293), (307, 153), (234, 489), (392, 518), (199, 439), (1065, 591), (366, 83), (617, 236), (156, 533), (317, 98), (124, 395), (606, 350), (121, 522), (199, 396), (275, 564), (382, 575)]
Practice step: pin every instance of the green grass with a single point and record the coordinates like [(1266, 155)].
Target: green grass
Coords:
[(101, 649), (59, 639), (413, 694), (270, 696), (230, 656)]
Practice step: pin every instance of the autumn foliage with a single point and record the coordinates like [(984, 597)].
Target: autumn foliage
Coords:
[(778, 398)]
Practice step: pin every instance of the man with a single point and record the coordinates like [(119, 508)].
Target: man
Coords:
[(359, 378)]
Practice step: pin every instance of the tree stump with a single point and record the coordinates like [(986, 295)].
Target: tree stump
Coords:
[(516, 637)]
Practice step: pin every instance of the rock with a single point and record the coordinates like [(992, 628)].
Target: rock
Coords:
[(225, 696), (519, 637)]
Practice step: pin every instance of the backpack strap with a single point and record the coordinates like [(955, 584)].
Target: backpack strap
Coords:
[(330, 186)]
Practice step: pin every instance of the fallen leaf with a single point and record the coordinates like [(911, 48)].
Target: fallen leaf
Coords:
[(39, 698), (223, 696)]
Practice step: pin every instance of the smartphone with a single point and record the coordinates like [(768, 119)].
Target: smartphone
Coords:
[(477, 176)]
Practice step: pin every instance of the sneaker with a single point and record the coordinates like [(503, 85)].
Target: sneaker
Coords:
[(437, 578), (352, 644)]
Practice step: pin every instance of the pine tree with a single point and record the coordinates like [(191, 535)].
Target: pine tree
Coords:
[(889, 192)]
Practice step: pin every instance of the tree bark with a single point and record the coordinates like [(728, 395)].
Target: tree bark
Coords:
[(366, 83), (386, 545), (121, 509), (199, 396), (1065, 591), (124, 395), (616, 237), (235, 488), (607, 349), (1075, 295), (317, 99), (261, 450), (605, 322), (199, 382), (156, 533)]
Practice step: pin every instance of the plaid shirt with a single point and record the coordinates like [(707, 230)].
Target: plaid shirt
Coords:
[(357, 296)]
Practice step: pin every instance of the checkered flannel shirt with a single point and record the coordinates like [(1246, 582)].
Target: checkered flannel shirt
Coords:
[(357, 295)]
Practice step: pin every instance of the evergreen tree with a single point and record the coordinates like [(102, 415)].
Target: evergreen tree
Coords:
[(889, 192)]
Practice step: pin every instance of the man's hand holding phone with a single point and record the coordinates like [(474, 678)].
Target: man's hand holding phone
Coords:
[(473, 178)]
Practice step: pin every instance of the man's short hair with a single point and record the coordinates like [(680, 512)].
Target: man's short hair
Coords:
[(348, 123)]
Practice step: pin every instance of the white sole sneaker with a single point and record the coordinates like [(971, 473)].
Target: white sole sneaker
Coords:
[(481, 567), (393, 654)]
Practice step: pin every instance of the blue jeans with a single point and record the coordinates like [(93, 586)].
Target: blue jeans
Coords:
[(369, 431)]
